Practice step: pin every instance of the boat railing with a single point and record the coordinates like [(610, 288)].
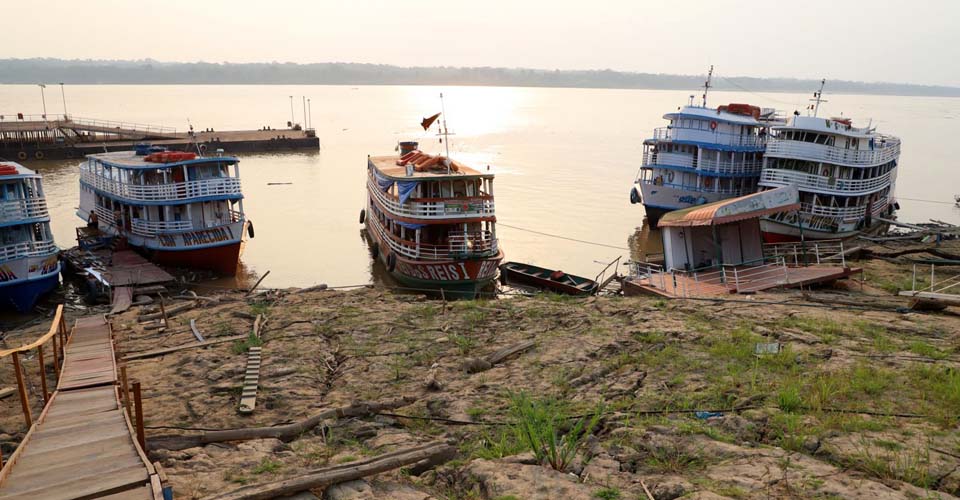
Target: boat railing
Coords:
[(802, 180), (14, 210), (712, 165), (149, 228), (236, 216), (758, 274), (881, 153), (820, 252), (673, 133), (460, 244), (222, 186), (434, 208), (27, 249), (125, 126), (703, 189)]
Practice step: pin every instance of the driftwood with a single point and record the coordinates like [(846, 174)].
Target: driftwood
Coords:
[(287, 432), (475, 365), (327, 476), (255, 285), (593, 376), (196, 331), (6, 391), (315, 288), (194, 345), (170, 311)]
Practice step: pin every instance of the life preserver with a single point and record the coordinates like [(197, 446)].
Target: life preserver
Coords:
[(375, 250), (708, 182), (22, 155), (391, 262), (826, 172), (670, 176), (713, 125), (363, 215), (634, 196), (39, 155)]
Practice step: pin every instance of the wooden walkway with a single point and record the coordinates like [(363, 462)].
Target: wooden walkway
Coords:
[(682, 285), (82, 445)]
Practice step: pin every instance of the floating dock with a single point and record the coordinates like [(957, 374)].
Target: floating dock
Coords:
[(66, 137)]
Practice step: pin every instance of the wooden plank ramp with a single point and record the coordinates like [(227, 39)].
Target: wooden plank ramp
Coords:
[(82, 445)]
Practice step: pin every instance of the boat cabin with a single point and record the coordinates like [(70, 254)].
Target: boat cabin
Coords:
[(721, 233)]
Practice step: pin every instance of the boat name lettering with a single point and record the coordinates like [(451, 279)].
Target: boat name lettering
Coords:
[(194, 238), (687, 199), (435, 272)]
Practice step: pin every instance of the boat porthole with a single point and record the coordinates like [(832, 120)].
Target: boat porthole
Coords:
[(22, 155), (375, 249), (392, 262), (363, 215), (38, 155)]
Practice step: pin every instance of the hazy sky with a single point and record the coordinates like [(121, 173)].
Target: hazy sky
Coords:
[(912, 41)]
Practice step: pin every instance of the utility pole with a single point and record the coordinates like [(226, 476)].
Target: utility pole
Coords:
[(291, 112), (64, 97), (44, 100), (310, 114), (304, 111)]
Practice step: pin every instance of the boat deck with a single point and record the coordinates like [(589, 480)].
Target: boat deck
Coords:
[(82, 445), (387, 165), (683, 285)]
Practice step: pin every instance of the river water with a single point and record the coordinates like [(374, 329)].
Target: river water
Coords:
[(564, 161)]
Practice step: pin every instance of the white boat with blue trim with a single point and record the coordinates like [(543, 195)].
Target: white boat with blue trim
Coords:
[(179, 209), (703, 155), (29, 263)]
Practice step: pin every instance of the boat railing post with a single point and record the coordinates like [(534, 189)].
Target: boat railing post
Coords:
[(22, 390), (816, 252), (736, 280), (786, 272)]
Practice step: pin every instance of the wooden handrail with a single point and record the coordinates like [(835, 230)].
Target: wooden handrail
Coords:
[(54, 329)]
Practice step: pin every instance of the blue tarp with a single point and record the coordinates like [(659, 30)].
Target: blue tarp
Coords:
[(410, 225), (382, 181), (406, 189)]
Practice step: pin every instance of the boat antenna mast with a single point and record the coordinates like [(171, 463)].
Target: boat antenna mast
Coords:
[(445, 132), (706, 85), (817, 98)]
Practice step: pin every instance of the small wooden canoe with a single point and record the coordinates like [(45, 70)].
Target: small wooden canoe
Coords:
[(546, 279)]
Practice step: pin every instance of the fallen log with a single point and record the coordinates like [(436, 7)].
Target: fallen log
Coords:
[(255, 285), (6, 391), (475, 365), (327, 476), (170, 311), (315, 288), (287, 432), (196, 331)]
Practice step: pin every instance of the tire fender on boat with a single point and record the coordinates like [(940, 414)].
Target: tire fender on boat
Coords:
[(363, 215), (39, 155), (391, 262), (250, 232), (634, 196), (22, 155), (375, 249)]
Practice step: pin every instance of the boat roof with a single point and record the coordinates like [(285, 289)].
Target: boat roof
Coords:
[(130, 159), (388, 167), (828, 126), (751, 206), (22, 172), (712, 114)]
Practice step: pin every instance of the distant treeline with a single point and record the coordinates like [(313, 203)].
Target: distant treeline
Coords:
[(154, 72)]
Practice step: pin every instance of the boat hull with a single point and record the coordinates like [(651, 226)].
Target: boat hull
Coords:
[(516, 276), (659, 199), (778, 232), (454, 278), (222, 259), (23, 295)]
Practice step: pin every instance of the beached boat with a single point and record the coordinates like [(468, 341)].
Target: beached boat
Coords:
[(846, 176), (547, 279), (431, 221), (703, 155), (29, 264), (178, 209)]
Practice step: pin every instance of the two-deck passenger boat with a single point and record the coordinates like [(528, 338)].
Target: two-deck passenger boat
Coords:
[(431, 221), (704, 155), (846, 176), (179, 209), (29, 266)]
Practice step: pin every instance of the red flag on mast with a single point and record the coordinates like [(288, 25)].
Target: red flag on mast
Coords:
[(429, 121)]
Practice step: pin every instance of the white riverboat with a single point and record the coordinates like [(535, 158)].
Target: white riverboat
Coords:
[(846, 176), (179, 209), (703, 155), (29, 263)]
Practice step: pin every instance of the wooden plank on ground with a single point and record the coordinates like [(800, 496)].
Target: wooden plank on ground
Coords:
[(7, 391), (251, 380), (194, 345)]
